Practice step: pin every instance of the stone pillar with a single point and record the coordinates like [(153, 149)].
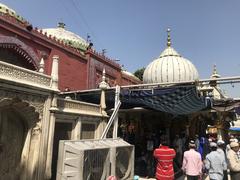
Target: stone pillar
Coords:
[(41, 66), (43, 148), (54, 73), (51, 129), (49, 124), (77, 128)]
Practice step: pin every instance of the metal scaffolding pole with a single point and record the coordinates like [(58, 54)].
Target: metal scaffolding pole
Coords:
[(114, 117)]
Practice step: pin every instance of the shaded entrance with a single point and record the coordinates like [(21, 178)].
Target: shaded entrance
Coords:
[(16, 120), (62, 131), (12, 138)]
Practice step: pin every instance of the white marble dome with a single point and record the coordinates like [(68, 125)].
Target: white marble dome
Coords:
[(7, 10), (68, 37), (170, 67)]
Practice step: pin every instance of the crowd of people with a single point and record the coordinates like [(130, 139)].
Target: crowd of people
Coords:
[(204, 157)]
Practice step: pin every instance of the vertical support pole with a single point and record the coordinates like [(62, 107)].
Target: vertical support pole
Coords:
[(117, 99), (113, 161)]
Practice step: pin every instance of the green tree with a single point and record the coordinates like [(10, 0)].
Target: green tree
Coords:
[(139, 73)]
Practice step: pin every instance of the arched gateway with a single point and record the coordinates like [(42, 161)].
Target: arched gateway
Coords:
[(17, 119)]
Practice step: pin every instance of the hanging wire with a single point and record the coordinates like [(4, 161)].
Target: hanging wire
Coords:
[(76, 6)]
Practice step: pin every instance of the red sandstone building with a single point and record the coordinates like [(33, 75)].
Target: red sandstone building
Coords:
[(80, 66)]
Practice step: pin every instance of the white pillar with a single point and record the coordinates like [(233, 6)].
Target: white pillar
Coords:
[(54, 73), (41, 66)]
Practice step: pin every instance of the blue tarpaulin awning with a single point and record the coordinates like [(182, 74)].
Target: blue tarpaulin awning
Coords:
[(234, 128), (175, 100)]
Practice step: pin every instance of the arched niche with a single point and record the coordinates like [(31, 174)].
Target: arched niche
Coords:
[(17, 119), (16, 52)]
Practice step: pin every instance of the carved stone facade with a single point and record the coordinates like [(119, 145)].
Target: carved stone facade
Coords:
[(30, 114)]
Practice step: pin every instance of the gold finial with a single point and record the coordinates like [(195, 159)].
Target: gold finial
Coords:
[(168, 38)]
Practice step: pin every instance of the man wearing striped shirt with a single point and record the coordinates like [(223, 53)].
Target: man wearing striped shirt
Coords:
[(164, 156)]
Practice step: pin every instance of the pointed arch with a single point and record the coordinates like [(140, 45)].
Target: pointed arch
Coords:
[(18, 47), (17, 121)]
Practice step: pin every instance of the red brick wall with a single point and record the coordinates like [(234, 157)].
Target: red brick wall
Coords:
[(76, 71)]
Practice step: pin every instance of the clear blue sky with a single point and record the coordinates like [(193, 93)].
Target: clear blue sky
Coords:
[(134, 31)]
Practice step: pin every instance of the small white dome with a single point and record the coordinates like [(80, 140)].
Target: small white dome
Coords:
[(7, 10), (170, 67), (130, 74), (70, 38)]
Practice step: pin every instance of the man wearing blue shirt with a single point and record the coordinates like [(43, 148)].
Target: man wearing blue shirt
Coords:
[(215, 163)]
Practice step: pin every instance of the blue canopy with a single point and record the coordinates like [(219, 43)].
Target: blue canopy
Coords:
[(175, 100), (234, 128)]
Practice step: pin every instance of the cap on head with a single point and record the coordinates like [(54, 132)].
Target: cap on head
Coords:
[(233, 140), (213, 144), (192, 144), (234, 144), (220, 142)]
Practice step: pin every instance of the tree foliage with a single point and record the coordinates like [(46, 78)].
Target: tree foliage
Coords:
[(139, 73)]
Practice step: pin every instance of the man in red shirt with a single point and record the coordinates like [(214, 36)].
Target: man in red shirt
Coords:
[(164, 156)]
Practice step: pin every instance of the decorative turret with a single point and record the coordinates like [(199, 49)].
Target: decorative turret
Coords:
[(103, 86), (217, 93), (215, 74)]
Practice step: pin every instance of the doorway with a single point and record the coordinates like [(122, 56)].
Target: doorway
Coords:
[(63, 131), (12, 138)]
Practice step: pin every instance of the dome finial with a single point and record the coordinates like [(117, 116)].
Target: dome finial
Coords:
[(214, 69), (61, 25), (168, 38)]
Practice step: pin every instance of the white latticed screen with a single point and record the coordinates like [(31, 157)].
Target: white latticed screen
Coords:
[(95, 160), (82, 161), (94, 164), (124, 162)]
